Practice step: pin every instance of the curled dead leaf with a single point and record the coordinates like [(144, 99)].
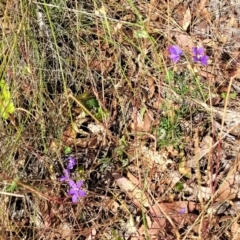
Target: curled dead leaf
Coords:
[(159, 158), (137, 195)]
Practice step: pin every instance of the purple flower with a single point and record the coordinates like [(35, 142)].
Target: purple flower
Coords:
[(75, 190), (71, 162), (182, 210), (199, 57), (66, 176), (175, 53)]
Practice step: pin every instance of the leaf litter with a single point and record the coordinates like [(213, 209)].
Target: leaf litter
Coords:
[(137, 103)]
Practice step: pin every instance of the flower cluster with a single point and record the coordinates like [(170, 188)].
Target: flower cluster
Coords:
[(75, 187), (175, 53), (199, 56)]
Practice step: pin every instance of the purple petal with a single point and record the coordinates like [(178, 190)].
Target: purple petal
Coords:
[(182, 210), (79, 184), (74, 198), (63, 178), (175, 53), (71, 162), (82, 193), (174, 58), (66, 172), (72, 191), (66, 176), (196, 59), (72, 184), (174, 49), (198, 51), (204, 60)]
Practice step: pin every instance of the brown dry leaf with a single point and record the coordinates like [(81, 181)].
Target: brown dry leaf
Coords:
[(235, 230), (202, 192), (69, 135), (86, 232), (172, 216), (132, 179), (151, 86), (65, 231), (136, 194), (174, 208), (202, 4), (154, 157), (138, 123), (231, 118), (69, 138), (236, 73), (184, 41), (229, 188), (148, 119), (157, 105), (178, 14), (172, 151), (207, 15), (155, 227), (233, 22), (91, 142), (200, 152), (187, 19), (203, 12), (102, 65), (141, 237), (236, 164), (142, 125), (142, 232), (96, 128)]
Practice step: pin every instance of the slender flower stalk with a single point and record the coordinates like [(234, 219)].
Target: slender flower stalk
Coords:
[(75, 189)]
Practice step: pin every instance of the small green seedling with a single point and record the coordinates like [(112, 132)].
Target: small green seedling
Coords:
[(179, 186), (12, 187), (231, 95), (67, 150), (92, 104)]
